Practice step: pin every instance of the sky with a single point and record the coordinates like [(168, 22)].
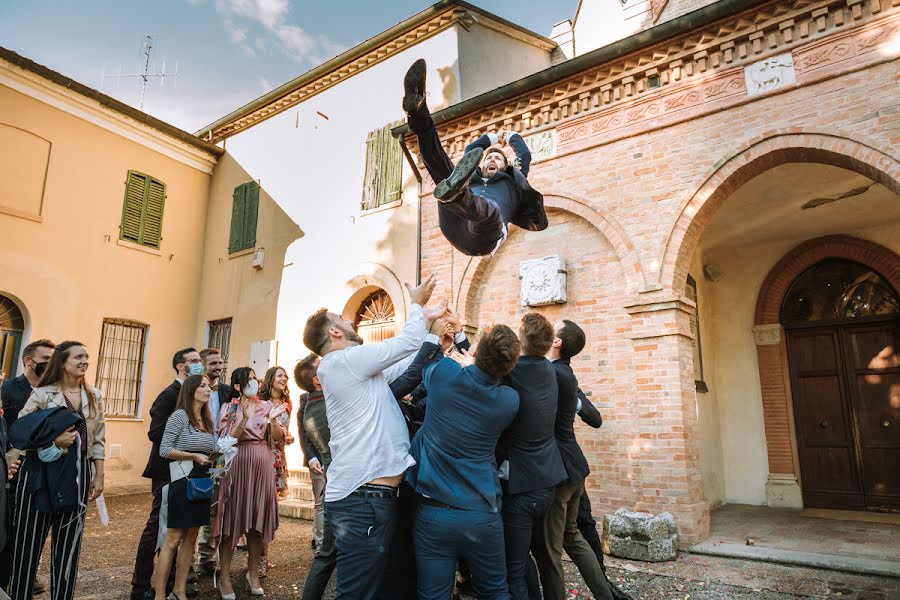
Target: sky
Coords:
[(228, 52)]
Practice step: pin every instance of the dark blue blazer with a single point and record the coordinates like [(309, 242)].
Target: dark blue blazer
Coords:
[(454, 449), (529, 443), (567, 408)]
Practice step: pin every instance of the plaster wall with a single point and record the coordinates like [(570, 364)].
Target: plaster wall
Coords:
[(489, 59), (68, 272), (734, 370), (602, 22)]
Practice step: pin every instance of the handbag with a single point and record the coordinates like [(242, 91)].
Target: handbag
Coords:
[(199, 489)]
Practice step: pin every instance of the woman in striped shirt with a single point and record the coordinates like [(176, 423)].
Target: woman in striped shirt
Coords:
[(188, 437)]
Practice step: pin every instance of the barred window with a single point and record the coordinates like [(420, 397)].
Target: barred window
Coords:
[(220, 337), (120, 366)]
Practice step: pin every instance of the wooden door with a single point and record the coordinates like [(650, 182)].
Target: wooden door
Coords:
[(823, 415), (873, 374)]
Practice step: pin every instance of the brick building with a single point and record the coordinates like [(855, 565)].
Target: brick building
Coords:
[(722, 186)]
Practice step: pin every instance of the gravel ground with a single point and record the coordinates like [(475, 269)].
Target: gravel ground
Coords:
[(108, 557)]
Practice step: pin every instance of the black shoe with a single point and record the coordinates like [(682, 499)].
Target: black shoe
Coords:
[(449, 189), (619, 594), (414, 87)]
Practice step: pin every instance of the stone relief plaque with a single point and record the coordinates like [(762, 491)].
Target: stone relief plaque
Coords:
[(543, 280), (542, 145), (767, 335), (770, 74)]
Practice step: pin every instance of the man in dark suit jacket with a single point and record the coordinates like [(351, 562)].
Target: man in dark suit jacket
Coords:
[(186, 362), (455, 474), (476, 204), (529, 459), (559, 529)]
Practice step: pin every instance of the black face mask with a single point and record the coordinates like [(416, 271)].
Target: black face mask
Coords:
[(39, 368)]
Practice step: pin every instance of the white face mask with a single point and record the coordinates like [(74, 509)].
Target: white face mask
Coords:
[(251, 388)]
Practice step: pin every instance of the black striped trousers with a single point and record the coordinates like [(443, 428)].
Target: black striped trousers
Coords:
[(30, 529)]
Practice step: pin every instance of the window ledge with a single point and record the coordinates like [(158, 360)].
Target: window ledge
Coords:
[(138, 247), (125, 419), (22, 214), (381, 208), (240, 253)]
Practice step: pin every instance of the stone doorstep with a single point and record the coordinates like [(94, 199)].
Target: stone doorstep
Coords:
[(834, 562), (299, 475), (296, 509), (300, 491)]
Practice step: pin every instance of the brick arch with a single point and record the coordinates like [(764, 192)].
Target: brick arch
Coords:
[(795, 262), (580, 207), (757, 156)]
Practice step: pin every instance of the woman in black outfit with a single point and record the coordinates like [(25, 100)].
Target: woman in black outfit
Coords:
[(188, 436)]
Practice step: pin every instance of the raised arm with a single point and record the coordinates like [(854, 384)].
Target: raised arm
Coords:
[(588, 412), (523, 154), (412, 376), (368, 360)]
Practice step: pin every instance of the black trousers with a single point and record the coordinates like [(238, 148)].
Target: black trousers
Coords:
[(146, 551), (400, 572), (472, 224), (30, 529), (322, 566), (521, 515)]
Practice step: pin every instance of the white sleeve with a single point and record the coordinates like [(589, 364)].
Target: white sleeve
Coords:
[(368, 360)]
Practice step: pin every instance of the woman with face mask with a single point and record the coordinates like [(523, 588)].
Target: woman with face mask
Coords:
[(75, 458), (247, 498)]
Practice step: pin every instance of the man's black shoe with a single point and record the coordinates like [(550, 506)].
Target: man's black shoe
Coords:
[(414, 87), (619, 594), (450, 188)]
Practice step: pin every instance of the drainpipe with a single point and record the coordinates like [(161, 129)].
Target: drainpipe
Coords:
[(418, 176)]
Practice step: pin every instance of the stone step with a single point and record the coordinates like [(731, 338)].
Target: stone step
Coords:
[(299, 475), (296, 509), (301, 491)]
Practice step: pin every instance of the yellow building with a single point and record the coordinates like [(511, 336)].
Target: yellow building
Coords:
[(112, 233)]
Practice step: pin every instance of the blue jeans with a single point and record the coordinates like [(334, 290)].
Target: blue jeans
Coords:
[(445, 536), (363, 530)]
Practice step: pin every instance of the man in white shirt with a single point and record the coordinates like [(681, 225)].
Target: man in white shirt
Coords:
[(369, 439)]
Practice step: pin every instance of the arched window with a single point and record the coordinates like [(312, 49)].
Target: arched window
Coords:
[(838, 289), (375, 318), (12, 325)]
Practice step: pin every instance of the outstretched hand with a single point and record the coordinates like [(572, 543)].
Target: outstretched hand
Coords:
[(421, 294), (435, 312), (465, 358)]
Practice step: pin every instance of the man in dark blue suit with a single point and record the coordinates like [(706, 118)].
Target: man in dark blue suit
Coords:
[(559, 528), (529, 459), (455, 474)]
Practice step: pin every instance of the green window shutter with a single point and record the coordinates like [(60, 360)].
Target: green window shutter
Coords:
[(142, 210), (251, 213), (370, 190), (133, 208), (236, 239), (151, 233), (384, 168)]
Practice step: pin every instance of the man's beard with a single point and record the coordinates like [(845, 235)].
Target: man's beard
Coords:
[(352, 336)]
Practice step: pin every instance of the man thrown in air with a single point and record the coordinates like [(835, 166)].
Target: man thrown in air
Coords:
[(484, 192)]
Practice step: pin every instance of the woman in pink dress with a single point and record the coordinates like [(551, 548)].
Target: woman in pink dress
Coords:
[(274, 389), (247, 500)]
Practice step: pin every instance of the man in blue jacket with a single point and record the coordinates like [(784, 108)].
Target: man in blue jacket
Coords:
[(455, 473), (479, 197)]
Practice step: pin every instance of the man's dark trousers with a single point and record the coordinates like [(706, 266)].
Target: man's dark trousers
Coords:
[(588, 528), (364, 524), (400, 572), (322, 565), (445, 536), (143, 563), (521, 515), (472, 224)]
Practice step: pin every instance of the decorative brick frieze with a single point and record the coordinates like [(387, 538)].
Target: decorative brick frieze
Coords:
[(601, 102)]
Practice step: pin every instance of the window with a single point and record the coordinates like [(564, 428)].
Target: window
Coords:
[(142, 211), (375, 318), (220, 337), (12, 326), (691, 292), (384, 168), (244, 211), (120, 366)]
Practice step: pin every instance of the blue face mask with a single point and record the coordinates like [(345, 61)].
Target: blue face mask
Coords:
[(195, 369), (50, 454)]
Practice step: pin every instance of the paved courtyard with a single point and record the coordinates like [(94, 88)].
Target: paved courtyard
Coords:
[(106, 564)]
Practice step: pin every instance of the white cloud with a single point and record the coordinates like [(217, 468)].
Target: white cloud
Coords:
[(272, 15)]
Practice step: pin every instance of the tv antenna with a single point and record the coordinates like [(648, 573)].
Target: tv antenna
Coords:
[(147, 72)]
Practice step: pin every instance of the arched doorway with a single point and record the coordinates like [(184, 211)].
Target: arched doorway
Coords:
[(12, 327), (374, 319), (842, 327)]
